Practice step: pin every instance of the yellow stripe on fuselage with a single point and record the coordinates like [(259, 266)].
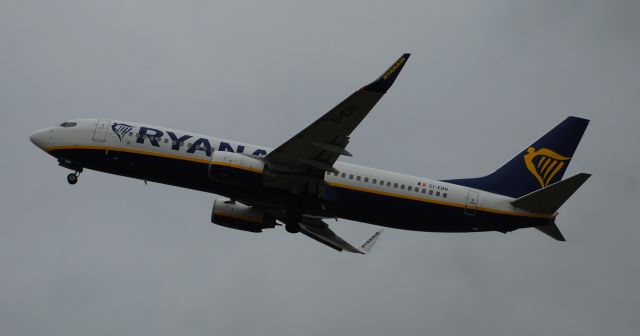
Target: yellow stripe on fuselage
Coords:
[(232, 165), (334, 184), (133, 151), (452, 204)]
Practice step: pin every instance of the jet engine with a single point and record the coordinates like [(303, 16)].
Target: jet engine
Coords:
[(240, 217), (227, 167)]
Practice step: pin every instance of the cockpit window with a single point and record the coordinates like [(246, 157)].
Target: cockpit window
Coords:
[(69, 124)]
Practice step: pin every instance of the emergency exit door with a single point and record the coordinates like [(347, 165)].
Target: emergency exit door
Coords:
[(472, 203), (100, 134)]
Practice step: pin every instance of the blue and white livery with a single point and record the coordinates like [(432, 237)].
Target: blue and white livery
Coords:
[(301, 184)]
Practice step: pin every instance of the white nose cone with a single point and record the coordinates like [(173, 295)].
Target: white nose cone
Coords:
[(40, 138)]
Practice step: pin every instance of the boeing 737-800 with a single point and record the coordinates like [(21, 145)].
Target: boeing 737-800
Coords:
[(300, 183)]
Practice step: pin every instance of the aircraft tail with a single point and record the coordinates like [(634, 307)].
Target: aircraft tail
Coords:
[(552, 231), (549, 199), (537, 166)]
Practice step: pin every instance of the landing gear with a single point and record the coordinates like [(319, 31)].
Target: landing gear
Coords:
[(292, 222), (73, 178), (292, 227)]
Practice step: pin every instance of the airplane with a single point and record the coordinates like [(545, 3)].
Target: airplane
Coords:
[(300, 184)]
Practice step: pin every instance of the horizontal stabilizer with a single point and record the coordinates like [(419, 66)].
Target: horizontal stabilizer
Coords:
[(552, 231), (549, 199)]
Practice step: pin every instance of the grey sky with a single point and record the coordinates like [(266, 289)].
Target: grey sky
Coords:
[(113, 256)]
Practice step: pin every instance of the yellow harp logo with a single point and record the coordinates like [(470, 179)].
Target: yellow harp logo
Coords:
[(544, 164)]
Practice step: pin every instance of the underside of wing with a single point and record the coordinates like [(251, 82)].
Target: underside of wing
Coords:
[(320, 231), (315, 149)]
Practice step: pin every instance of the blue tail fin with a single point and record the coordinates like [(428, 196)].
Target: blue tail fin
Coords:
[(537, 166)]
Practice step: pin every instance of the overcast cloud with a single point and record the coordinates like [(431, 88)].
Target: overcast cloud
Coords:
[(111, 256)]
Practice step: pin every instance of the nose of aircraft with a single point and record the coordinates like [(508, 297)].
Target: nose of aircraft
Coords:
[(40, 138)]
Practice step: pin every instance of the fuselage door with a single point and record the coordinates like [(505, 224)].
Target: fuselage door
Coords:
[(472, 203), (100, 134)]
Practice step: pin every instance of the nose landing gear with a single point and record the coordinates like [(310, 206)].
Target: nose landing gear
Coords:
[(73, 178)]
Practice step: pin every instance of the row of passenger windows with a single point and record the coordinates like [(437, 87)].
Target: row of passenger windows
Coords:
[(344, 175), (391, 184)]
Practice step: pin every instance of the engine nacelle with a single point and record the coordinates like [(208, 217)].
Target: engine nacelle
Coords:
[(235, 168), (240, 217)]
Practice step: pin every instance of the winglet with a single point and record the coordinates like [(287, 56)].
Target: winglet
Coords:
[(368, 244), (384, 82)]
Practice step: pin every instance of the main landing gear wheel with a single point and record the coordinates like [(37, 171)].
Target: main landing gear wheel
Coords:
[(292, 228), (292, 221), (72, 178)]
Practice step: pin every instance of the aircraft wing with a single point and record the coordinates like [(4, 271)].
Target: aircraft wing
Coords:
[(316, 148), (318, 230)]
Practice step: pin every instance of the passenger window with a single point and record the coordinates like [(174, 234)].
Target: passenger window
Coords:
[(166, 140), (430, 192), (366, 179), (130, 133), (437, 193), (444, 195), (402, 186), (417, 189), (388, 184), (395, 185), (381, 182), (351, 177), (374, 181), (409, 188), (424, 190), (344, 175), (358, 178)]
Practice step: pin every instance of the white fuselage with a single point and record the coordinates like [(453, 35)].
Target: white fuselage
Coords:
[(165, 143)]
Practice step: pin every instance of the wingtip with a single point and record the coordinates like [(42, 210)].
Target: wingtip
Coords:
[(584, 120), (384, 82)]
